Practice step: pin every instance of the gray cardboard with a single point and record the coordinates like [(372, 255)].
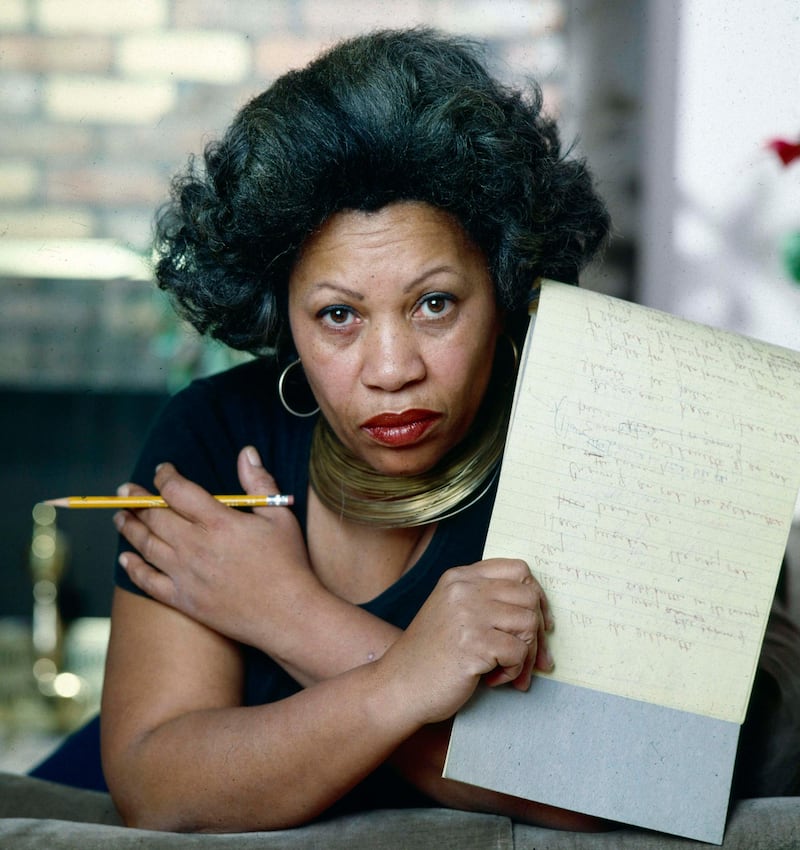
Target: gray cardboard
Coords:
[(593, 752)]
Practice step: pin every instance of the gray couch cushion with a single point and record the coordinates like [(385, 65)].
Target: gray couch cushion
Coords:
[(36, 814), (771, 823), (417, 829), (24, 797)]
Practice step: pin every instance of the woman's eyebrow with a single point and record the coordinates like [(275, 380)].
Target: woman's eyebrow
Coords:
[(360, 296), (429, 273), (343, 290)]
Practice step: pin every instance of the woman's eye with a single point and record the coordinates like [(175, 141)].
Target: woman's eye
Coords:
[(337, 316), (435, 306)]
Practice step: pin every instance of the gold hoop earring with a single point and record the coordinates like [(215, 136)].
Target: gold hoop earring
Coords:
[(514, 352), (509, 375), (297, 386)]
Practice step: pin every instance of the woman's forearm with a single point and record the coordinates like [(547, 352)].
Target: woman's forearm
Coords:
[(180, 754), (258, 768), (225, 770), (360, 638), (324, 636)]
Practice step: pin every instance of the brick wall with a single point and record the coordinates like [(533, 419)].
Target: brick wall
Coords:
[(101, 102)]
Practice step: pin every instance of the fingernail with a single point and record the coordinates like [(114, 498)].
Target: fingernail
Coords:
[(159, 466), (549, 659), (253, 457), (124, 490), (123, 560), (119, 520)]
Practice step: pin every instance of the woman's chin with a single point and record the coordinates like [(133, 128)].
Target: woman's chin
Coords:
[(403, 463)]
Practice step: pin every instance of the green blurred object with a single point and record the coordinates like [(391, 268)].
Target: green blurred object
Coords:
[(791, 254), (186, 354)]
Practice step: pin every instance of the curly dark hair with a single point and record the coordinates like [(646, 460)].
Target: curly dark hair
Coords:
[(380, 118)]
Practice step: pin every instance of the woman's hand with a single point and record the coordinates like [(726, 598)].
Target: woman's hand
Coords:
[(238, 573), (489, 619)]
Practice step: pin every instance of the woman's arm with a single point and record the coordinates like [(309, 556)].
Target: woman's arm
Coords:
[(181, 754), (247, 576), (306, 622)]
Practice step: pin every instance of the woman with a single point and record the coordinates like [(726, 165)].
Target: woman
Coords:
[(371, 225), (375, 222)]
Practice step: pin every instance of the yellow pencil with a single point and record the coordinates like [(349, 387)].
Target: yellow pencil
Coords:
[(133, 502)]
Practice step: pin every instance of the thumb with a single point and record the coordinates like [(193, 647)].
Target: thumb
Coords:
[(255, 480)]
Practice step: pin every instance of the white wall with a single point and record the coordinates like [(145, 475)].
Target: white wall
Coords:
[(724, 77)]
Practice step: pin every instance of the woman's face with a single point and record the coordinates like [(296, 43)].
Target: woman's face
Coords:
[(393, 315)]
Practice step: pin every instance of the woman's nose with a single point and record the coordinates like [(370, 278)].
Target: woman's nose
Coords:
[(392, 359)]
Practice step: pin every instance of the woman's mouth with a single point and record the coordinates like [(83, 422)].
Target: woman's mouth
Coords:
[(400, 429)]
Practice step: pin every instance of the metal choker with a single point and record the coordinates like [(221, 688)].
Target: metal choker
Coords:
[(355, 491)]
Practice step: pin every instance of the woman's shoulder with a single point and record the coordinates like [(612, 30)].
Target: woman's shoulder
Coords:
[(227, 409), (207, 396), (253, 378), (203, 427), (246, 391)]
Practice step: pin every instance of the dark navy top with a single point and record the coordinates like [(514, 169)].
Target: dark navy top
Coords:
[(202, 429)]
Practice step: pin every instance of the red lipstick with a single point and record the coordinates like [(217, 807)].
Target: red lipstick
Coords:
[(400, 429)]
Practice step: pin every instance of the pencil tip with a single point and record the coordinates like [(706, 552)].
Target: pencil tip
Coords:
[(57, 503)]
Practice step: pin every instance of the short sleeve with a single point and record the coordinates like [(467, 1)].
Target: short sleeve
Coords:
[(202, 429)]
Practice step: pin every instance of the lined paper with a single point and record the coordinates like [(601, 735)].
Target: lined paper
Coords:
[(649, 480)]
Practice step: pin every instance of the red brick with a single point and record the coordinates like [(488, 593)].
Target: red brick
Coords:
[(41, 139), (331, 20), (273, 56), (52, 221), (40, 53), (120, 184), (252, 18)]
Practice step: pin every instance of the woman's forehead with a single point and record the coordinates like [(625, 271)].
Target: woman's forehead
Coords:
[(412, 231)]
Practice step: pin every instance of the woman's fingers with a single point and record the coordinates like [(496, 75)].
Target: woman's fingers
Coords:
[(134, 526), (152, 548), (255, 480), (540, 656), (543, 658), (231, 570), (153, 582), (513, 658), (184, 497), (511, 583), (154, 533), (547, 611), (517, 609)]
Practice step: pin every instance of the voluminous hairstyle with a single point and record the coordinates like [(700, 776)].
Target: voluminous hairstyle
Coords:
[(381, 118)]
